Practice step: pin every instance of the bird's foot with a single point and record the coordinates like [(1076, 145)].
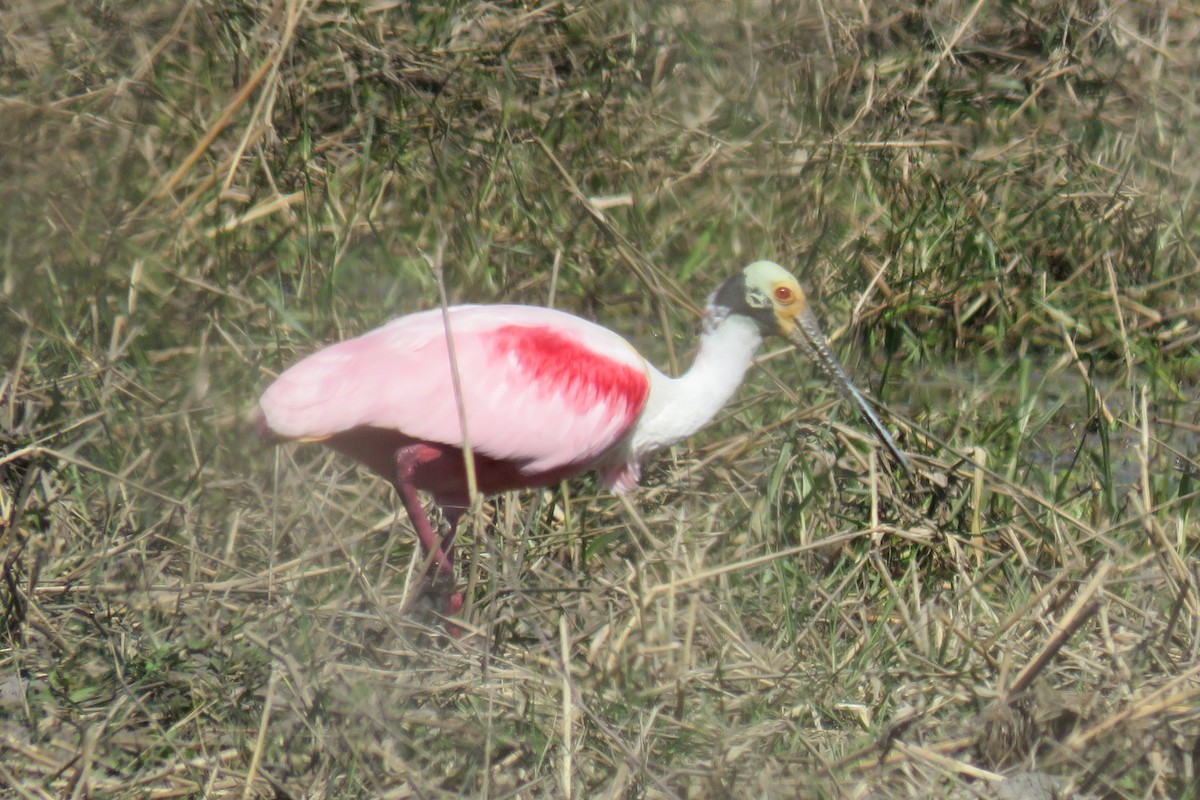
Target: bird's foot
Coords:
[(441, 592), (437, 597)]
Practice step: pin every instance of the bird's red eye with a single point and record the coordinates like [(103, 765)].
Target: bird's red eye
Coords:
[(784, 295)]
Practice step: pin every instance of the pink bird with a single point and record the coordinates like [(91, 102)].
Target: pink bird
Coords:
[(545, 396)]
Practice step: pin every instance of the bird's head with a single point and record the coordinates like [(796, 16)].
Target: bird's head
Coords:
[(771, 296), (766, 293)]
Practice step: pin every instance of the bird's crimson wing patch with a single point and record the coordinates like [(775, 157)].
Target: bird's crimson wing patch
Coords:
[(560, 364)]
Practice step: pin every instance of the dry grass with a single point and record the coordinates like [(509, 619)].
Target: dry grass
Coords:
[(994, 203)]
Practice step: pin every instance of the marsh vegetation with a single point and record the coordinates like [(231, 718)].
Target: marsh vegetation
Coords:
[(993, 204)]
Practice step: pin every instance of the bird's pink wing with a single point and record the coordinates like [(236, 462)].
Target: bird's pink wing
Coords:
[(542, 388)]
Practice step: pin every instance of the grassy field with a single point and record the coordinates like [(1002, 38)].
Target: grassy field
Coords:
[(994, 206)]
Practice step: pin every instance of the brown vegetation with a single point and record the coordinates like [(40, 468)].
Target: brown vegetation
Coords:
[(995, 205)]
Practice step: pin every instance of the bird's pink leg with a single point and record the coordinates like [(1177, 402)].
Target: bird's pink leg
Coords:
[(407, 460)]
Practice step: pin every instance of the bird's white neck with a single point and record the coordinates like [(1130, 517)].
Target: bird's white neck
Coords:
[(681, 406)]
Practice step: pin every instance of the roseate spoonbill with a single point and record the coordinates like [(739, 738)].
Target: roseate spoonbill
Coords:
[(546, 396)]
